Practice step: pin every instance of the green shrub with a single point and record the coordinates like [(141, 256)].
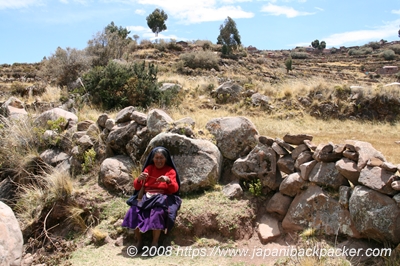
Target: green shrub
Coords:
[(361, 51), (374, 45), (173, 46), (388, 54), (89, 158), (299, 55), (200, 59), (288, 64), (395, 48), (17, 88), (121, 85)]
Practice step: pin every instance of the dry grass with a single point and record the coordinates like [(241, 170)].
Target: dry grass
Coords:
[(52, 94), (382, 136), (34, 198)]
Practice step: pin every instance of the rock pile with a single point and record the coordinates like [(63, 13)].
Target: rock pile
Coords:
[(345, 188)]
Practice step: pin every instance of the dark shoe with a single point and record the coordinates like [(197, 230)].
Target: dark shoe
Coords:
[(139, 247)]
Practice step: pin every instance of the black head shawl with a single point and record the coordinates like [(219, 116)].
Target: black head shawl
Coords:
[(169, 162)]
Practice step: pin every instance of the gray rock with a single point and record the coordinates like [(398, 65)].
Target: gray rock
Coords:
[(233, 190), (268, 229), (326, 174), (233, 130), (378, 179), (54, 114), (297, 139), (259, 163), (124, 115), (348, 168), (198, 161), (279, 204), (314, 208), (115, 174), (365, 153), (158, 121), (375, 215), (306, 168), (11, 240), (286, 164), (292, 185), (53, 157)]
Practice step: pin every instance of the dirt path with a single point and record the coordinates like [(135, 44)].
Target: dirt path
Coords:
[(110, 254)]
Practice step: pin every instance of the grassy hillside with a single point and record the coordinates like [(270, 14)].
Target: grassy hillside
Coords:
[(324, 80)]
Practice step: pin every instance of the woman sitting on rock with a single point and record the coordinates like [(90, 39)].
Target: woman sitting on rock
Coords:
[(155, 202)]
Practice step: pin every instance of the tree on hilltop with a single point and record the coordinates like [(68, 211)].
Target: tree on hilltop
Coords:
[(156, 21), (228, 36), (318, 45)]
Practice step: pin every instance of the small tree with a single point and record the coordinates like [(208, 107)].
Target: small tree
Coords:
[(229, 36), (156, 21), (109, 44), (318, 45), (288, 64)]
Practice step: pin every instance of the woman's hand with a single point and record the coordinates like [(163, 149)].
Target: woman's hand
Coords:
[(164, 178), (142, 176)]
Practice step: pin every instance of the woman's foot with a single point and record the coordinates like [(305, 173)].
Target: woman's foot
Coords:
[(139, 246)]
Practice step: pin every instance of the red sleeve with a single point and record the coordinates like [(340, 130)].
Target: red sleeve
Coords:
[(138, 185), (173, 185)]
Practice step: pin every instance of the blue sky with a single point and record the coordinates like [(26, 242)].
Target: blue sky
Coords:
[(33, 29)]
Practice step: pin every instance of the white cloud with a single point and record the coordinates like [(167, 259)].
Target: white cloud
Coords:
[(15, 4), (189, 12), (138, 29), (361, 36), (140, 12), (289, 12), (235, 1), (397, 12)]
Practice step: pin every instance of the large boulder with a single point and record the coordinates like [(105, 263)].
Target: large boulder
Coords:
[(54, 156), (326, 174), (366, 152), (115, 174), (13, 108), (375, 215), (235, 136), (315, 208), (124, 115), (227, 92), (378, 179), (69, 118), (259, 163), (198, 161), (158, 121), (120, 135), (348, 169), (11, 240)]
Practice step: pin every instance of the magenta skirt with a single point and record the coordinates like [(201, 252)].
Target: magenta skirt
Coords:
[(149, 219)]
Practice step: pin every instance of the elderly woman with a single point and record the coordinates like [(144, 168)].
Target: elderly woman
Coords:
[(157, 208)]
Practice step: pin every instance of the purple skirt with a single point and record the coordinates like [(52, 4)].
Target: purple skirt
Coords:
[(145, 219)]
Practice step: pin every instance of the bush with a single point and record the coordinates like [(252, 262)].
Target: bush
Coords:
[(121, 85), (395, 48), (362, 51), (65, 66), (299, 55), (201, 59), (146, 44), (374, 45), (388, 54)]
